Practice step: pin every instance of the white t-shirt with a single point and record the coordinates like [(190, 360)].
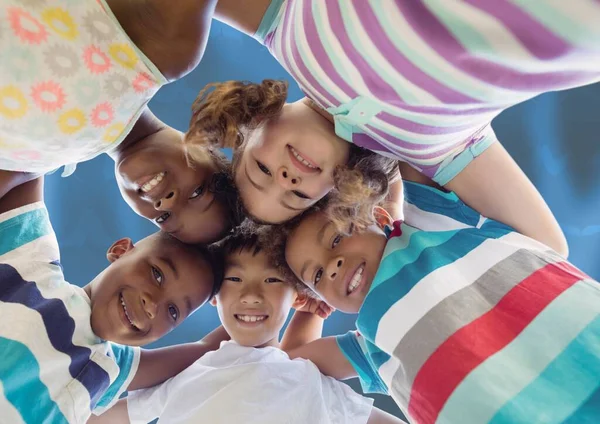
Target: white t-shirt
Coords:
[(238, 384)]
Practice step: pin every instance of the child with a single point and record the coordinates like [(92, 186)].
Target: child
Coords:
[(75, 81), (415, 81), (249, 379), (460, 318), (59, 357)]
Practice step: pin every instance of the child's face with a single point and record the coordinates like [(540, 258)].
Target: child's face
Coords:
[(339, 269), (254, 300), (157, 183), (287, 165), (148, 290)]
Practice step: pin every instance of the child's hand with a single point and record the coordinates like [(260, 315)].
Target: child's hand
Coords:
[(313, 306)]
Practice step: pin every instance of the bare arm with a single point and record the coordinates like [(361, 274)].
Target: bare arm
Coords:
[(158, 365), (381, 417), (327, 356), (118, 414), (22, 194), (303, 328), (495, 186), (307, 323)]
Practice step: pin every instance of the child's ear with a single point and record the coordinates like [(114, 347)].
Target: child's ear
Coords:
[(118, 249), (382, 217), (213, 301)]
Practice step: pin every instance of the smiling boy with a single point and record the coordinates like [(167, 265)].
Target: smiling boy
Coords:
[(460, 318), (250, 379), (59, 357)]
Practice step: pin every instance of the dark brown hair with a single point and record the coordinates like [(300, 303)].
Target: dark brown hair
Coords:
[(247, 238), (224, 111)]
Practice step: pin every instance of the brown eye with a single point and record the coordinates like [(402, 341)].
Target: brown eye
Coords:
[(263, 168), (336, 241), (173, 312), (198, 192), (318, 276)]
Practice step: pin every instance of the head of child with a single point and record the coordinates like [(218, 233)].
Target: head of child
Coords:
[(184, 192), (287, 157), (149, 288), (256, 294), (337, 263)]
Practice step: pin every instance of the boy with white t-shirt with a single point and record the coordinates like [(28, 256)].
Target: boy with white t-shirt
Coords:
[(250, 379)]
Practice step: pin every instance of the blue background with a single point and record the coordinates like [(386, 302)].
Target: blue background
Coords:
[(554, 138)]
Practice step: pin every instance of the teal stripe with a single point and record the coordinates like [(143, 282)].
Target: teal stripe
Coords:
[(269, 21), (503, 377), (23, 229), (123, 356), (394, 32), (587, 413), (399, 243), (576, 370), (562, 25), (401, 270), (433, 200), (470, 38), (404, 256), (332, 53), (353, 32), (370, 380), (20, 375)]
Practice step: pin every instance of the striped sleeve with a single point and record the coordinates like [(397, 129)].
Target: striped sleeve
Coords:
[(353, 346), (473, 147), (127, 359)]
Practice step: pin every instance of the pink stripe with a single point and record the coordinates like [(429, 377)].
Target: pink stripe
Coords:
[(376, 85), (528, 30), (439, 38), (417, 128), (316, 46), (324, 98), (400, 63)]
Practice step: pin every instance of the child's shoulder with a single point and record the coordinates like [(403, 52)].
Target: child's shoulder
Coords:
[(27, 229)]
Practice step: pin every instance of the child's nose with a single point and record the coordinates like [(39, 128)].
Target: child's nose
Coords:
[(167, 202), (251, 297), (149, 305), (286, 179), (334, 267)]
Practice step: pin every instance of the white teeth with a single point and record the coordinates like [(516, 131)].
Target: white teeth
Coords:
[(251, 318), (126, 314), (301, 159), (153, 182), (356, 279)]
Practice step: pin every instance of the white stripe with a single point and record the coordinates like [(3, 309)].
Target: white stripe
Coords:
[(500, 38), (366, 47), (435, 141), (282, 46), (7, 410), (430, 221), (311, 62), (440, 284), (326, 32), (30, 330), (480, 88)]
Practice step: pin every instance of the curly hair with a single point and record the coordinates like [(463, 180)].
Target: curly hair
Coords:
[(248, 238), (224, 111)]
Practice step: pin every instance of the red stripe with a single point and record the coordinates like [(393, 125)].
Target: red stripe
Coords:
[(467, 348), (397, 231)]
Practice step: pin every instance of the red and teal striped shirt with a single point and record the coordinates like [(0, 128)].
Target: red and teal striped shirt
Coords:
[(468, 321), (421, 80)]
